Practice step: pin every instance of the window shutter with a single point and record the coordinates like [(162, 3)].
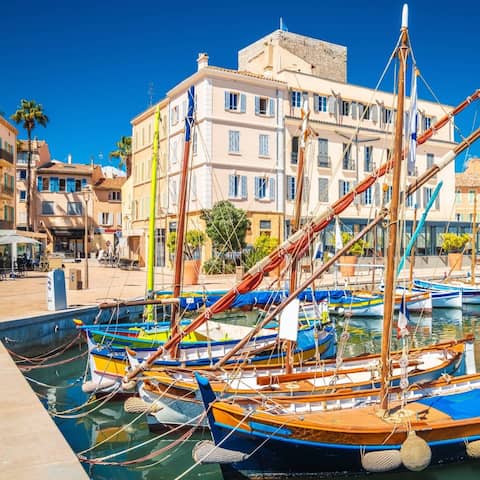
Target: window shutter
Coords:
[(377, 194), (257, 187), (257, 105), (231, 186), (331, 104), (100, 219), (110, 218), (243, 103), (341, 187), (39, 183), (119, 218), (306, 189), (84, 183), (244, 187), (230, 141), (271, 104), (374, 113), (272, 189), (354, 108), (418, 198), (54, 184), (315, 103), (227, 100), (437, 202)]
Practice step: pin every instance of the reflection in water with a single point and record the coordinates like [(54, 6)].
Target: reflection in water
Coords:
[(110, 419)]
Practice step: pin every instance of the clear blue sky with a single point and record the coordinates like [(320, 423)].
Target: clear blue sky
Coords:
[(90, 62)]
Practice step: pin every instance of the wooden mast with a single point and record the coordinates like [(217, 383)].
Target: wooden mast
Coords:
[(393, 224), (182, 208), (297, 217), (474, 238), (412, 255)]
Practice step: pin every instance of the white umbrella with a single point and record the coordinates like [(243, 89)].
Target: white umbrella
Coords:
[(14, 239)]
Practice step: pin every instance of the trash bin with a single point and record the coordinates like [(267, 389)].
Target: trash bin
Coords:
[(74, 279)]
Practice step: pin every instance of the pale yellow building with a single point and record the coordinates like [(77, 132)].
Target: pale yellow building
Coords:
[(245, 143), (8, 140)]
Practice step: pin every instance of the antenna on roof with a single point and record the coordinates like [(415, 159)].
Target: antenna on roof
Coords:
[(150, 94), (283, 26)]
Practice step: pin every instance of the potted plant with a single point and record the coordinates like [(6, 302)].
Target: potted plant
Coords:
[(194, 240), (454, 244), (348, 262)]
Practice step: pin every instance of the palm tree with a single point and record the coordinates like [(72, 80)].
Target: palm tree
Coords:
[(30, 113), (124, 153)]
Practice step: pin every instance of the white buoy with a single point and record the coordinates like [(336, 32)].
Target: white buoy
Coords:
[(381, 461), (415, 453)]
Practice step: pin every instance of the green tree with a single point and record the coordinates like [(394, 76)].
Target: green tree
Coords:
[(263, 246), (358, 248), (29, 114), (226, 227), (194, 239), (123, 153)]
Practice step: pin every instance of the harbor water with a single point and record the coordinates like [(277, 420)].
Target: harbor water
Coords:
[(109, 435)]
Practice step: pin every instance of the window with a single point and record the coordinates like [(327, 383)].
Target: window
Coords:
[(235, 102), (237, 186), (262, 106), (22, 174), (175, 115), (427, 122), (388, 194), (345, 108), (323, 189), (105, 218), (368, 154), (48, 208), (387, 115), (296, 98), (323, 159), (79, 184), (23, 195), (347, 163), (427, 195), (344, 187), (265, 225), (234, 141), (43, 184), (62, 185), (367, 196), (264, 188), (74, 208), (364, 111), (173, 192), (263, 145), (471, 196), (320, 103), (294, 154), (291, 187), (430, 160), (115, 196)]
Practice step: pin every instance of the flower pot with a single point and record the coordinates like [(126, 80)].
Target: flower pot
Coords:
[(455, 261), (191, 270), (347, 265)]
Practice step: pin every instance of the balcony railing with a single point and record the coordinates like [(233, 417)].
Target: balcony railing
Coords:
[(6, 155), (348, 164), (294, 158), (6, 189), (323, 161)]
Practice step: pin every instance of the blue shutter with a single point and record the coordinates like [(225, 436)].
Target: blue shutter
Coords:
[(244, 186), (243, 103), (227, 100), (257, 105), (272, 189), (54, 184), (39, 183), (271, 104), (70, 185), (437, 202), (231, 186), (230, 141), (84, 183), (257, 187)]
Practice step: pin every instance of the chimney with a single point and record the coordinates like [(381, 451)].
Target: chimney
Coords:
[(202, 60), (69, 158)]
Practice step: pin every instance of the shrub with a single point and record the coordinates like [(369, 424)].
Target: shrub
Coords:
[(358, 248), (453, 243)]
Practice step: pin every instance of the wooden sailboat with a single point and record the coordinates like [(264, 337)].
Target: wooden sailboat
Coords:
[(398, 428)]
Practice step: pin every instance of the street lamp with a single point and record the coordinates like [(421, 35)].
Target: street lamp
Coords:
[(86, 192)]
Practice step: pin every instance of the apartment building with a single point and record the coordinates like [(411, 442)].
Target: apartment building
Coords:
[(467, 187), (245, 143), (107, 210), (63, 204), (8, 140), (40, 156)]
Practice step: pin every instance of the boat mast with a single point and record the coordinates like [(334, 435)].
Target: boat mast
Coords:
[(297, 217), (393, 223), (182, 208), (474, 238), (151, 221), (412, 255)]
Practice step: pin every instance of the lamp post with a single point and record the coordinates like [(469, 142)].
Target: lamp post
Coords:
[(86, 192)]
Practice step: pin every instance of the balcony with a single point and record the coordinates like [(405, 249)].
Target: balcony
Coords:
[(348, 164), (7, 156), (294, 158), (323, 161)]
